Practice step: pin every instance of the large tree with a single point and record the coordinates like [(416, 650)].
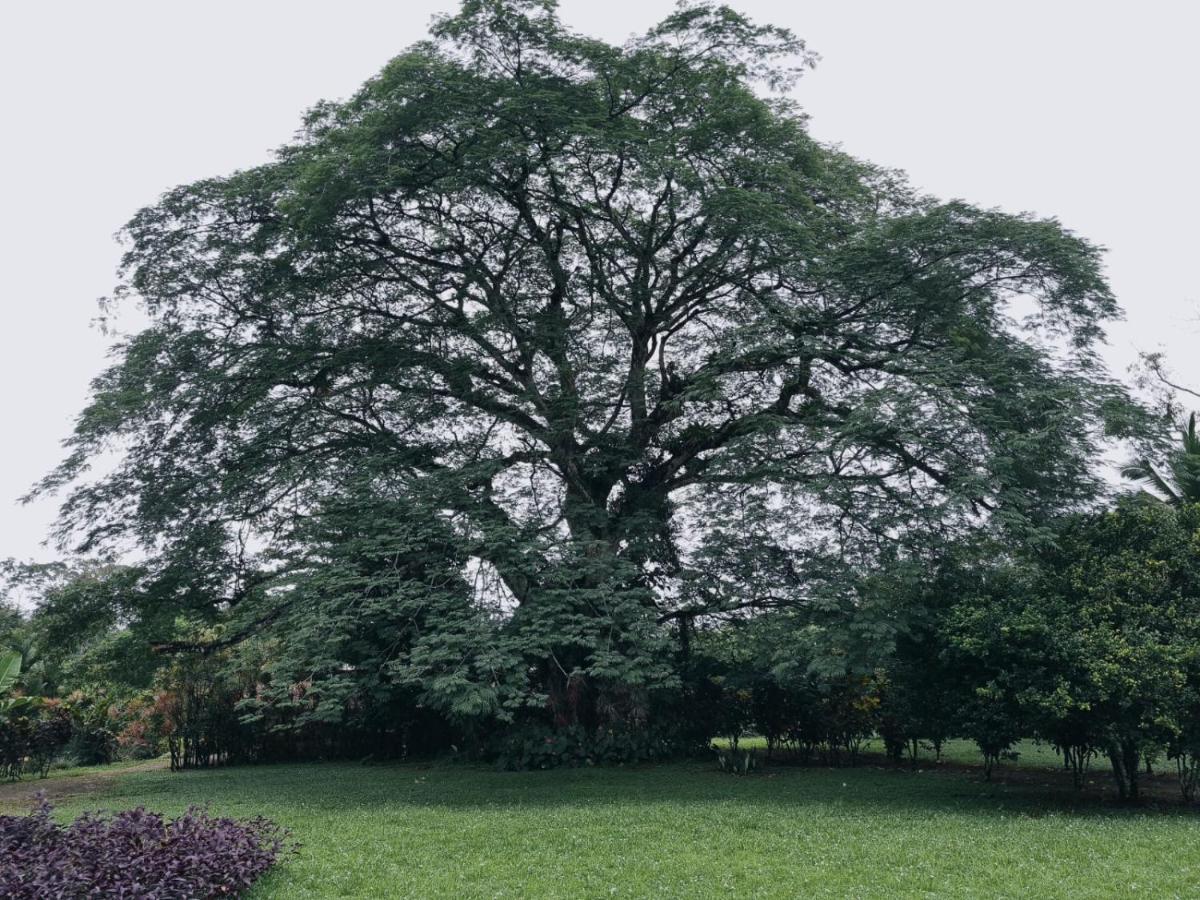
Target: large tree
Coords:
[(609, 315)]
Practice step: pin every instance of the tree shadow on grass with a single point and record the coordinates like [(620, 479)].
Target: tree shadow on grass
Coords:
[(862, 790)]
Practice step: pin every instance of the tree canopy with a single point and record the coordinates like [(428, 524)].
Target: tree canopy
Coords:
[(1091, 645), (537, 348)]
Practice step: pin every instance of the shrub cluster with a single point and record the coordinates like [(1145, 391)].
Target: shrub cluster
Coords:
[(1092, 645), (816, 719), (135, 854), (84, 728), (33, 732), (218, 709)]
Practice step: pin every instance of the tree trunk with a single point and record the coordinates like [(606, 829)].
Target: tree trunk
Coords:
[(1125, 761)]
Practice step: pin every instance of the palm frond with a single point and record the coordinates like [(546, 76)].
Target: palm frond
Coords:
[(1191, 444), (1143, 471)]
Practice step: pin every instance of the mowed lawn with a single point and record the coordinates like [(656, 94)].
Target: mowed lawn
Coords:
[(683, 830)]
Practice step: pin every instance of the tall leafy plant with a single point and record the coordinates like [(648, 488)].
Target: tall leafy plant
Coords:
[(10, 670)]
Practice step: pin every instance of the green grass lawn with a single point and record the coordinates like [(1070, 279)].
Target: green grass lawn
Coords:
[(683, 830), (69, 771)]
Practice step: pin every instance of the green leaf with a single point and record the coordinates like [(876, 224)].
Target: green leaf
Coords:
[(10, 669)]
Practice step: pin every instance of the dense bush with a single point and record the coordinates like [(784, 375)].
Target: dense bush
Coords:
[(734, 707), (1090, 643), (224, 709), (16, 740), (33, 732), (94, 727), (51, 733), (135, 854), (142, 733), (86, 728), (202, 724), (991, 719), (813, 717)]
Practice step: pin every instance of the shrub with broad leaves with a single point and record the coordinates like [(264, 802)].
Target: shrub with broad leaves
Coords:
[(135, 854)]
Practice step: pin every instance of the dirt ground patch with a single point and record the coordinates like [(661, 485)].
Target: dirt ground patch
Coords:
[(16, 796)]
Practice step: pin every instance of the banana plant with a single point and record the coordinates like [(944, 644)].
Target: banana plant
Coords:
[(10, 670)]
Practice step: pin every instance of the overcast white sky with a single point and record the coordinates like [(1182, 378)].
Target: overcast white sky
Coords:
[(1081, 110)]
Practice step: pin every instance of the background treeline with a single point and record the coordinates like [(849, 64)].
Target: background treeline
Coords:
[(1090, 642)]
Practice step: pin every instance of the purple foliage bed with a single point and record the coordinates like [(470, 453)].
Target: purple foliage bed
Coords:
[(135, 854)]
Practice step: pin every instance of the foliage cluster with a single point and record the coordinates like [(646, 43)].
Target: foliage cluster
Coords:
[(816, 719), (135, 854), (86, 727), (1094, 645), (32, 730), (1091, 644)]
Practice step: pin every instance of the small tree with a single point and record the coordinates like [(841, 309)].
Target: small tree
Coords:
[(991, 719), (1183, 746), (1091, 637)]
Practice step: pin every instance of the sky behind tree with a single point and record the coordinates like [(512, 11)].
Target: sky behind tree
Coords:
[(1076, 110)]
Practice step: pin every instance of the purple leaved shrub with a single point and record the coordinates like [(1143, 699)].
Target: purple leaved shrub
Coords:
[(135, 854)]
